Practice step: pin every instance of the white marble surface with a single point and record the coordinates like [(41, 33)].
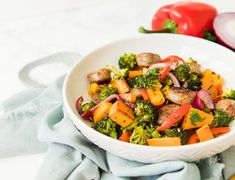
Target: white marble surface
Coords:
[(31, 29)]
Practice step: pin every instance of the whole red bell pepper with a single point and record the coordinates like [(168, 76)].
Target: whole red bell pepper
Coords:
[(190, 18)]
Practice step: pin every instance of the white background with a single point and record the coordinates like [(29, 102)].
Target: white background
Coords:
[(31, 29)]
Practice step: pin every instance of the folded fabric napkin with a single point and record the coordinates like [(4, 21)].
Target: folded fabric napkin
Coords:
[(34, 121)]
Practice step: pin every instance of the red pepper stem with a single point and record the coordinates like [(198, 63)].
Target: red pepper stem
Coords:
[(146, 31)]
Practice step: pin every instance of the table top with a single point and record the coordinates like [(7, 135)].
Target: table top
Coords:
[(32, 29)]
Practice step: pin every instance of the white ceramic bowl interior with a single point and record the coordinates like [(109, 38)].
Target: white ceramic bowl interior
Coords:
[(209, 54)]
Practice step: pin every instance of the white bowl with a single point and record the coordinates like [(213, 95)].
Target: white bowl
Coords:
[(209, 54)]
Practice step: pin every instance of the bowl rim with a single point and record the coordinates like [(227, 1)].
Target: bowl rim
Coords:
[(106, 138)]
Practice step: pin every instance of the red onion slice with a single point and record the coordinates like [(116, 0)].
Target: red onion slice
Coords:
[(204, 96), (79, 103), (197, 103), (174, 79), (224, 25), (162, 65)]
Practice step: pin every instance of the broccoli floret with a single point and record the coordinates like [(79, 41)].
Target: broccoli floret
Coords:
[(150, 79), (177, 132), (106, 92), (182, 72), (150, 128), (194, 82), (118, 73), (127, 61), (229, 94), (221, 119), (86, 106), (139, 136), (107, 127), (167, 82), (145, 111)]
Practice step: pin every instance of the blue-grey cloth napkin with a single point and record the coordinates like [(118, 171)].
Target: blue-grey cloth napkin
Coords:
[(34, 121)]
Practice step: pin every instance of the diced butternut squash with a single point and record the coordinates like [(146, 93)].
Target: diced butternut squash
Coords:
[(135, 73), (121, 114), (121, 85), (212, 82), (129, 97), (93, 88), (156, 97), (204, 133), (196, 118), (101, 111), (166, 141)]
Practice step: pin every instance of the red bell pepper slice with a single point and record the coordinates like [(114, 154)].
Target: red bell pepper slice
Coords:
[(220, 130), (144, 94), (171, 59), (193, 139), (164, 73), (175, 117), (125, 136)]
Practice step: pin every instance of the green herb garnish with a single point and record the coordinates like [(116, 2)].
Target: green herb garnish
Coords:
[(195, 117)]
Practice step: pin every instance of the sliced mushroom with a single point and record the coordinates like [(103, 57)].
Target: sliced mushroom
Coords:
[(195, 67), (100, 76), (147, 59), (165, 111), (180, 95), (226, 105)]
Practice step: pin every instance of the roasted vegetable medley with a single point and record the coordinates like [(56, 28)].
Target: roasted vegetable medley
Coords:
[(157, 101)]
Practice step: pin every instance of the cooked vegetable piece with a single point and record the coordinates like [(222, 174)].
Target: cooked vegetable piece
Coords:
[(172, 58), (150, 127), (148, 80), (182, 72), (144, 94), (166, 141), (93, 88), (118, 73), (121, 114), (165, 71), (129, 97), (174, 117), (127, 61), (145, 111), (196, 118), (221, 119), (135, 73), (177, 132), (107, 126), (211, 81), (194, 82), (121, 85), (156, 97), (139, 136), (204, 133), (86, 106), (101, 111), (229, 94), (106, 91), (220, 130), (125, 136), (167, 82), (165, 111), (193, 139)]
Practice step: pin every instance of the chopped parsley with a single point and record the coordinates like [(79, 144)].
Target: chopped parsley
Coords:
[(195, 117)]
